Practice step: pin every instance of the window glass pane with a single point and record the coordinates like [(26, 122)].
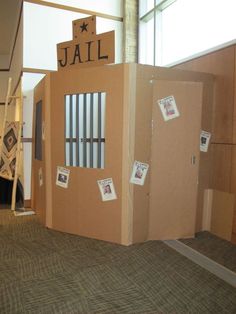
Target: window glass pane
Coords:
[(192, 26), (111, 7), (85, 130), (145, 6), (146, 42)]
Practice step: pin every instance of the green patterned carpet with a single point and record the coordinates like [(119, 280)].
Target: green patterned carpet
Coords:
[(44, 271)]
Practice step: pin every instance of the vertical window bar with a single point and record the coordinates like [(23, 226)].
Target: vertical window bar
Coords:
[(99, 129), (71, 131), (77, 130), (154, 34), (65, 128), (91, 130), (85, 132)]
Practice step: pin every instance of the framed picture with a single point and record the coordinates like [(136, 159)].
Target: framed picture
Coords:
[(107, 189), (204, 141), (168, 108), (139, 173), (62, 177)]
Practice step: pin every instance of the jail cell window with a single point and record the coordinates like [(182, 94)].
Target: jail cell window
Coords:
[(85, 130)]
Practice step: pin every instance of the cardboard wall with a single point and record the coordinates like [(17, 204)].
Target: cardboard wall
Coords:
[(79, 209), (233, 168), (222, 168), (174, 175), (218, 213), (38, 200), (222, 214), (143, 136), (221, 64)]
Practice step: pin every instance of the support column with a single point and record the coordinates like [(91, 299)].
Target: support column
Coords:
[(130, 31)]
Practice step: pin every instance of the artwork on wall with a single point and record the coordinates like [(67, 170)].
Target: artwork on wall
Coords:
[(40, 176), (204, 141), (62, 177), (107, 189), (168, 108), (139, 173), (9, 150)]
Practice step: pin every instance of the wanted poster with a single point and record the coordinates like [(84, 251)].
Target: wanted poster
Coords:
[(168, 108), (139, 173), (62, 177), (204, 141), (107, 189)]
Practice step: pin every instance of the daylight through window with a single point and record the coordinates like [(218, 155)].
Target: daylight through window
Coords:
[(85, 130)]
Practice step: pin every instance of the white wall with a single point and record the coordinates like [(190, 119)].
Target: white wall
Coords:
[(45, 27), (111, 7)]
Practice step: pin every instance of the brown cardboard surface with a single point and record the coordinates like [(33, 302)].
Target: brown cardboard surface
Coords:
[(220, 171), (234, 223), (222, 214), (128, 206), (95, 50), (38, 201), (234, 109), (207, 208), (233, 239), (221, 64), (79, 209), (173, 186), (142, 149), (84, 27), (143, 138), (47, 143), (233, 187)]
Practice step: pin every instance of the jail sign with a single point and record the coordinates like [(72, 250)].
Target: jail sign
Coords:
[(87, 48)]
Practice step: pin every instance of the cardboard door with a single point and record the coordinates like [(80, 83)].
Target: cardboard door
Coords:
[(174, 159), (38, 154)]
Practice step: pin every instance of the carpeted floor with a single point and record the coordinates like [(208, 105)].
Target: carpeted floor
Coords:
[(44, 271), (219, 250)]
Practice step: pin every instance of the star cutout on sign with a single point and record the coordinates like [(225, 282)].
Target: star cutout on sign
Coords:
[(84, 27)]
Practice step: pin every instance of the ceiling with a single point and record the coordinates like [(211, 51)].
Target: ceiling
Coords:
[(9, 17)]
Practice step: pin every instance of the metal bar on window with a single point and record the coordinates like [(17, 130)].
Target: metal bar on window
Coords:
[(154, 36), (91, 131), (87, 140), (65, 129), (77, 130), (85, 132), (71, 131), (99, 129)]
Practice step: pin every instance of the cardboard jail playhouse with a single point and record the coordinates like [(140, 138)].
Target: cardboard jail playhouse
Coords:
[(95, 125)]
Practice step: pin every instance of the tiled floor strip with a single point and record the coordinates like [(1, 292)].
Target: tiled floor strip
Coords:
[(203, 261)]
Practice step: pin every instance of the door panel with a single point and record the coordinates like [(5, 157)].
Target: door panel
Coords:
[(175, 161)]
